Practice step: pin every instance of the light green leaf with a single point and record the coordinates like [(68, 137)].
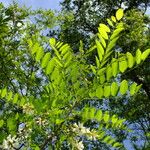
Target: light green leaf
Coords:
[(9, 96), (145, 54), (35, 48), (93, 69), (116, 33), (138, 56), (114, 89), (99, 92), (110, 22), (22, 101), (123, 65), (123, 87), (100, 50), (111, 44), (106, 91), (130, 60), (45, 59), (106, 117), (103, 33), (92, 112), (58, 62), (64, 49), (3, 92), (102, 78), (99, 115), (133, 88), (1, 123), (39, 54), (102, 40), (113, 18), (15, 98), (138, 88), (108, 73), (104, 27), (119, 14), (97, 62), (50, 66), (115, 67), (52, 41)]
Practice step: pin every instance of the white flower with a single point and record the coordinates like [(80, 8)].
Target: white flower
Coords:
[(10, 143), (80, 145)]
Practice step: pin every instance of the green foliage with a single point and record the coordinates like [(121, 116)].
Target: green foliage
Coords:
[(51, 116)]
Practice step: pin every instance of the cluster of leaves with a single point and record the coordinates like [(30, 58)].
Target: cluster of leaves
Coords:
[(71, 79)]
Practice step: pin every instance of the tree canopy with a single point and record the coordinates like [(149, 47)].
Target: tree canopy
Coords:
[(85, 86)]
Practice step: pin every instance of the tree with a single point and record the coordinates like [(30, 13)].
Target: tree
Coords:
[(54, 118), (87, 15)]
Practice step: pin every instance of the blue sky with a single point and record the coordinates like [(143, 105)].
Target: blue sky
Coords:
[(52, 4)]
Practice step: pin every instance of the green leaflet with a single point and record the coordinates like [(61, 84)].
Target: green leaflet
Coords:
[(119, 14), (45, 59), (97, 62), (110, 22), (59, 44), (50, 66), (138, 87), (66, 55), (116, 33), (68, 61), (102, 78), (100, 50), (81, 47), (111, 44), (104, 27), (1, 123), (22, 101), (138, 56), (120, 123), (133, 88), (39, 54), (92, 111), (113, 19), (64, 49), (130, 60), (107, 139), (15, 99), (102, 40), (35, 48), (114, 89), (115, 67), (106, 117), (93, 69), (11, 124), (99, 115), (85, 113), (3, 92), (106, 91), (123, 65), (108, 73), (117, 145), (103, 33), (145, 54), (52, 41), (10, 95), (114, 120), (99, 92), (58, 62), (123, 87)]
